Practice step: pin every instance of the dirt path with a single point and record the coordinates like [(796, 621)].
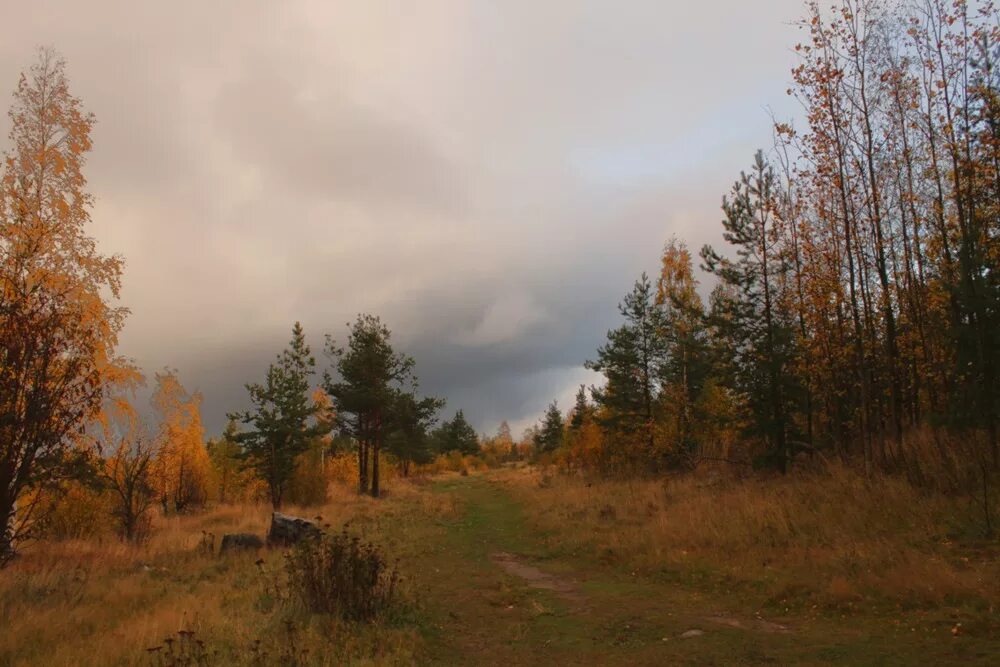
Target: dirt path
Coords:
[(536, 578), (506, 597), (496, 593)]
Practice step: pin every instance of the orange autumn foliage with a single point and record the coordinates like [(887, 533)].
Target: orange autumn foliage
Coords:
[(182, 469), (59, 323)]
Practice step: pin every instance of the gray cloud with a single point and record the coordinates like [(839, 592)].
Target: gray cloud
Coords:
[(317, 143), (488, 177)]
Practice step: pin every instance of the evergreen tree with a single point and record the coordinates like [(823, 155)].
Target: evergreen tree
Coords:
[(282, 420), (582, 410), (370, 375), (411, 421), (456, 435), (754, 313), (632, 360), (550, 435)]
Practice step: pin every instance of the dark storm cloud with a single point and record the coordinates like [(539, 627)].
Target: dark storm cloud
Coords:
[(488, 177)]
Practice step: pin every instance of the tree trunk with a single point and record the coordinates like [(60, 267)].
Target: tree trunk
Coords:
[(376, 445), (8, 517), (363, 467), (375, 478), (363, 456)]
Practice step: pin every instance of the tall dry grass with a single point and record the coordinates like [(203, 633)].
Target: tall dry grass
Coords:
[(829, 538), (100, 601)]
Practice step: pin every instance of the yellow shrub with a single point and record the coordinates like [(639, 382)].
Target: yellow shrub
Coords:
[(76, 512), (343, 469)]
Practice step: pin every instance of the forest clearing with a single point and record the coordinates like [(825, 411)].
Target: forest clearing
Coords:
[(646, 573), (781, 447)]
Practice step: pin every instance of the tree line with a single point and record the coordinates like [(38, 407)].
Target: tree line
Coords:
[(853, 313), (856, 306), (374, 407), (70, 436)]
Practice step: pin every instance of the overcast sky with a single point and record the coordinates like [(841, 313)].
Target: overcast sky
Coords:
[(488, 177)]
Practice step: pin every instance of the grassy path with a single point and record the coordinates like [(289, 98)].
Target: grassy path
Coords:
[(493, 593), (483, 610)]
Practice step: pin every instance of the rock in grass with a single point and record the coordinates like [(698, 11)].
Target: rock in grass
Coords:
[(287, 530), (692, 633), (240, 542)]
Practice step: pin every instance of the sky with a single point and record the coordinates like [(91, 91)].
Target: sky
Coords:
[(488, 177)]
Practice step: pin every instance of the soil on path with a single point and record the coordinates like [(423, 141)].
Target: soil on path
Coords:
[(536, 578)]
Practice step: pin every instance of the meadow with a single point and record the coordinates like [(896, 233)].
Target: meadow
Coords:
[(528, 565)]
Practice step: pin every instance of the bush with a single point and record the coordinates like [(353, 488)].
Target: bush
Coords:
[(308, 485), (341, 575), (76, 511)]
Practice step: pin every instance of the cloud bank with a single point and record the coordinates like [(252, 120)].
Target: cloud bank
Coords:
[(489, 178)]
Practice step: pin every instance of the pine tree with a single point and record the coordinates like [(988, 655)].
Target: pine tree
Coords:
[(282, 421), (410, 422), (456, 435), (582, 410), (632, 361), (550, 435), (755, 315), (369, 375)]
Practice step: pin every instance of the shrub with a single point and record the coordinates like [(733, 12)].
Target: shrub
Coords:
[(341, 575), (128, 475), (308, 484), (343, 469), (76, 511)]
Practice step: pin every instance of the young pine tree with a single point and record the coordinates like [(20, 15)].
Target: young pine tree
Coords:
[(550, 435), (753, 313), (456, 435), (632, 360), (410, 422), (282, 421), (582, 410)]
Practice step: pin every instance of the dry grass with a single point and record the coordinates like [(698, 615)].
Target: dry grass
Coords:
[(827, 544), (99, 601), (830, 539)]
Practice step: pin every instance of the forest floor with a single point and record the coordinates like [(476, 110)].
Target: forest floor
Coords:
[(491, 577)]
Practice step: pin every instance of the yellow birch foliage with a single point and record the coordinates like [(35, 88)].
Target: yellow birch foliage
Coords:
[(182, 470), (59, 323)]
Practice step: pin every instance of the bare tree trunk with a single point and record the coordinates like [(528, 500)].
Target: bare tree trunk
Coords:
[(375, 471), (8, 514), (375, 452), (363, 456)]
